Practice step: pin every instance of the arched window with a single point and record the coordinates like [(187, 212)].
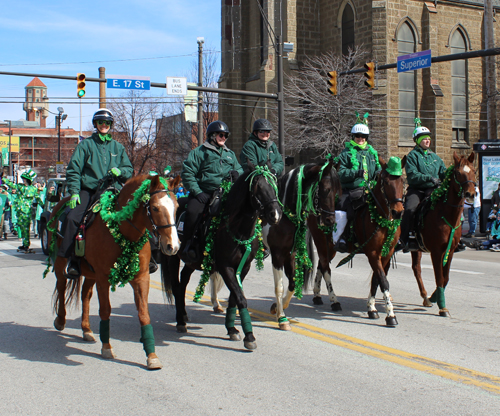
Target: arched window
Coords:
[(459, 90), (407, 88), (347, 29)]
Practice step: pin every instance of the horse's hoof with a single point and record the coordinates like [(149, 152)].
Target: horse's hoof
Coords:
[(391, 321), (427, 303), (57, 325), (273, 309), (285, 326), (317, 300), (88, 336), (218, 309), (182, 329), (154, 363), (235, 337), (373, 315), (444, 312), (108, 353), (250, 345), (336, 307), (186, 318)]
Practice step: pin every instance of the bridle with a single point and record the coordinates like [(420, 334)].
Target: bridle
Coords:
[(318, 210), (150, 216), (263, 173), (388, 201)]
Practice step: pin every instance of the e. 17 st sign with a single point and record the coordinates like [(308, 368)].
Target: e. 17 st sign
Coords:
[(128, 82), (414, 61)]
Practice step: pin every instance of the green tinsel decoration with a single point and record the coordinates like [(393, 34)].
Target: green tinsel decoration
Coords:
[(354, 160), (53, 239), (441, 192)]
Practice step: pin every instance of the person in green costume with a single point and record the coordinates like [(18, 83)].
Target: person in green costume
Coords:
[(92, 159)]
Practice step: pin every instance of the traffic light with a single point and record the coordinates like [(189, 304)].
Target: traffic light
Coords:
[(333, 82), (370, 74), (80, 85)]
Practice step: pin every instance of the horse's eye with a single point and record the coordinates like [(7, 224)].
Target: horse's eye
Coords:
[(156, 209)]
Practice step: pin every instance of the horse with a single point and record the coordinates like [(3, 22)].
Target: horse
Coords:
[(117, 251), (306, 191), (442, 227), (376, 228), (234, 246)]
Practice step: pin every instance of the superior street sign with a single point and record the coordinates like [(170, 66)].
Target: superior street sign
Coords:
[(128, 82), (414, 61)]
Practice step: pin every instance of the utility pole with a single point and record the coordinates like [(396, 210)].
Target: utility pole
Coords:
[(200, 93), (102, 87), (491, 117), (281, 104)]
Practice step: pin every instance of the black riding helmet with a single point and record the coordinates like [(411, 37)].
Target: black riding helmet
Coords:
[(217, 127), (262, 125), (102, 114)]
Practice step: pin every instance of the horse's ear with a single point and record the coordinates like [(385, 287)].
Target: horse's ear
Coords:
[(456, 158), (472, 157), (382, 162), (174, 183), (155, 181), (403, 162)]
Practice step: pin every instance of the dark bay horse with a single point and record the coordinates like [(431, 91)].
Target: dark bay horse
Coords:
[(308, 190), (376, 227), (234, 246), (146, 203), (442, 227)]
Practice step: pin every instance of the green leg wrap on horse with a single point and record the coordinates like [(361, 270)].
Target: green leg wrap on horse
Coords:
[(148, 339), (246, 322), (438, 296), (230, 317), (104, 331)]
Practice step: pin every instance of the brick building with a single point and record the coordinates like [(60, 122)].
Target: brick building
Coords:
[(448, 97)]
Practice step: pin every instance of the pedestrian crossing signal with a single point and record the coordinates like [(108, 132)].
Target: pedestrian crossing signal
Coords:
[(80, 85), (333, 82)]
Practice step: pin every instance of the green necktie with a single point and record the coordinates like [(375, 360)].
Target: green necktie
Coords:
[(365, 168)]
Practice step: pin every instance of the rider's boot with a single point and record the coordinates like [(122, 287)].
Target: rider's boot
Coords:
[(153, 266), (72, 270)]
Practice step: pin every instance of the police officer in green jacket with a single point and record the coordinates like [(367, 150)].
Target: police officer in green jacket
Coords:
[(202, 173), (424, 172), (259, 150), (92, 159)]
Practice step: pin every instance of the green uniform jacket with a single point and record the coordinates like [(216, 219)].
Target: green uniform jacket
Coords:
[(92, 160), (348, 171), (206, 167), (422, 166), (258, 152)]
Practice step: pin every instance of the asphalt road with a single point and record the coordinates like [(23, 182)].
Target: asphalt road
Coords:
[(330, 363)]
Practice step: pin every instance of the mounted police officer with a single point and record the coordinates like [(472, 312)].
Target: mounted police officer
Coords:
[(259, 149), (358, 166), (92, 159), (202, 173), (424, 172)]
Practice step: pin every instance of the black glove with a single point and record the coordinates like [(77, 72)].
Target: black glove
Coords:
[(273, 171), (361, 172), (234, 175), (436, 181), (203, 197)]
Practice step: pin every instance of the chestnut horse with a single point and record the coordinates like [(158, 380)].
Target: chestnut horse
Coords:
[(376, 228), (308, 190), (234, 246), (442, 227), (150, 206)]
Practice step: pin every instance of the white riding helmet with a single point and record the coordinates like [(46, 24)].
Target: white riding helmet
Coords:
[(420, 131), (360, 128)]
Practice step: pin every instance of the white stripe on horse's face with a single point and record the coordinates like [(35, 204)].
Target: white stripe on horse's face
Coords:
[(166, 202)]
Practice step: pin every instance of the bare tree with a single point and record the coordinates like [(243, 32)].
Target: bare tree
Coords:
[(317, 121), (134, 126)]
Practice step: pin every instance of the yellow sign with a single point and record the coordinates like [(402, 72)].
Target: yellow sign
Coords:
[(4, 143)]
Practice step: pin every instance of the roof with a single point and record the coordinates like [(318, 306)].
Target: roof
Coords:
[(35, 82)]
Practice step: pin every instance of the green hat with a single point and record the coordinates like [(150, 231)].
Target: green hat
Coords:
[(394, 166), (29, 175), (167, 170)]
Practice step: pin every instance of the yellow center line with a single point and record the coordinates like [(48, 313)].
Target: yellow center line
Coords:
[(449, 371)]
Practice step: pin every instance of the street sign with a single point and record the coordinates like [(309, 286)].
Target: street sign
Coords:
[(59, 167), (414, 61), (14, 143), (128, 82), (177, 85)]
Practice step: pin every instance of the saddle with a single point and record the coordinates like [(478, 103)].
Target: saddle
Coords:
[(418, 221)]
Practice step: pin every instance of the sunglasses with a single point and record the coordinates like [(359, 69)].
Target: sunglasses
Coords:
[(224, 135), (105, 122), (264, 131), (360, 135)]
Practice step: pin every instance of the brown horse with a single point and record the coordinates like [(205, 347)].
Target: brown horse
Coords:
[(442, 227), (376, 227), (151, 207)]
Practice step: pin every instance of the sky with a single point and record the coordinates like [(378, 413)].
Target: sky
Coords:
[(152, 38)]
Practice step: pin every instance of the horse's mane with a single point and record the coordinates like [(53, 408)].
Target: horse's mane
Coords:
[(236, 200)]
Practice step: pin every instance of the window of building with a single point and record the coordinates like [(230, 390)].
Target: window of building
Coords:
[(347, 29), (459, 105), (407, 86)]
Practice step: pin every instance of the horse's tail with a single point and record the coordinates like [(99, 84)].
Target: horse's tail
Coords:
[(71, 296), (309, 273), (166, 277)]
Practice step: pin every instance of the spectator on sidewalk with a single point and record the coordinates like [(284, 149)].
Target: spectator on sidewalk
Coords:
[(494, 242), (473, 212), (495, 198)]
